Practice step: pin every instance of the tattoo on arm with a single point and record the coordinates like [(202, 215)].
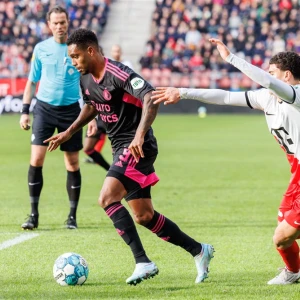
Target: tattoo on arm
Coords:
[(149, 113)]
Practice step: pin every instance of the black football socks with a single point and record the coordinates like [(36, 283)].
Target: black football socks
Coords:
[(73, 188), (99, 159), (170, 232), (35, 184), (125, 227)]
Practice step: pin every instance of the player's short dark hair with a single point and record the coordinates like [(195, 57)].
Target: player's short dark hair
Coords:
[(83, 38), (57, 9), (287, 61)]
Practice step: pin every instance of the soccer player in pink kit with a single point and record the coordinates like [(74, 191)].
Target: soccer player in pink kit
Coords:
[(121, 98), (280, 101)]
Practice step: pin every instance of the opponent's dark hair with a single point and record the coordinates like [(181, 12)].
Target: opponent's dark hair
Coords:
[(287, 61), (83, 38), (57, 9)]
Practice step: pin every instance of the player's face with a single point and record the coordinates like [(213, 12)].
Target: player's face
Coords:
[(81, 59), (277, 73), (58, 25)]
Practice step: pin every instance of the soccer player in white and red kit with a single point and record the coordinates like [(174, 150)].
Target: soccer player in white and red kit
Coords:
[(280, 101)]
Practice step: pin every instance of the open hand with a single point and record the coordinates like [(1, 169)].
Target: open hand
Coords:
[(168, 95), (57, 140), (136, 148), (92, 128), (223, 50)]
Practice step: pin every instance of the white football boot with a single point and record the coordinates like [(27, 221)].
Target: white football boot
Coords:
[(141, 272), (202, 261), (285, 277)]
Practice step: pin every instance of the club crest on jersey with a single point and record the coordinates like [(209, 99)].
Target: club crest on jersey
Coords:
[(106, 95), (137, 83)]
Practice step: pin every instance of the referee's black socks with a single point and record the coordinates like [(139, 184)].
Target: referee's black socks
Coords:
[(73, 188), (35, 185)]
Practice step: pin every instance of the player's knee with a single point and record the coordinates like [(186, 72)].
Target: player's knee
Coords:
[(281, 242), (143, 217), (87, 149), (102, 201), (105, 199), (37, 162)]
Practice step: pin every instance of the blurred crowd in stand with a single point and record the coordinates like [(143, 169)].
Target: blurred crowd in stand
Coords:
[(23, 24), (178, 52)]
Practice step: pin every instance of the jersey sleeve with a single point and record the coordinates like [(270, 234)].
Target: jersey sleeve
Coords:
[(281, 89), (296, 89), (136, 86), (36, 66), (259, 99)]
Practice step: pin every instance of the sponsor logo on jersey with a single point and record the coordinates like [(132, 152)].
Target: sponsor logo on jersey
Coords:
[(137, 83), (106, 95)]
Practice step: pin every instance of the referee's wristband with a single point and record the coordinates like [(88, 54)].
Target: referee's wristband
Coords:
[(25, 109)]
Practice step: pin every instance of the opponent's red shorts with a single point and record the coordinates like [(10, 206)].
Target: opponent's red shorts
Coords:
[(289, 208)]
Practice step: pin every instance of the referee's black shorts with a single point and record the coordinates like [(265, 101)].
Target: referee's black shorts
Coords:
[(137, 177), (47, 118)]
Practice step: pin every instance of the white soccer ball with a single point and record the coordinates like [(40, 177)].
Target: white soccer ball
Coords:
[(70, 269)]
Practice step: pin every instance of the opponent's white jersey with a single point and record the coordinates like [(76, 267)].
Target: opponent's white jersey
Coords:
[(283, 116), (283, 121)]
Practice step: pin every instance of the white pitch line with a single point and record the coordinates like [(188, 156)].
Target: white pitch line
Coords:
[(17, 240)]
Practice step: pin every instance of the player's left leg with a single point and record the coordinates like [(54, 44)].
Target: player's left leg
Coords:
[(145, 215), (110, 198), (73, 186), (71, 148)]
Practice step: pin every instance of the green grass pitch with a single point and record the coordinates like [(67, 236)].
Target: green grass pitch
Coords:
[(222, 179)]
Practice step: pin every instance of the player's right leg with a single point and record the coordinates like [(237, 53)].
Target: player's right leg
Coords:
[(111, 195), (167, 230), (284, 239), (42, 128), (35, 185), (285, 235)]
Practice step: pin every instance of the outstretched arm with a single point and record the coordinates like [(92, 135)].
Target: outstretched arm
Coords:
[(87, 114), (281, 89), (170, 95), (149, 113)]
